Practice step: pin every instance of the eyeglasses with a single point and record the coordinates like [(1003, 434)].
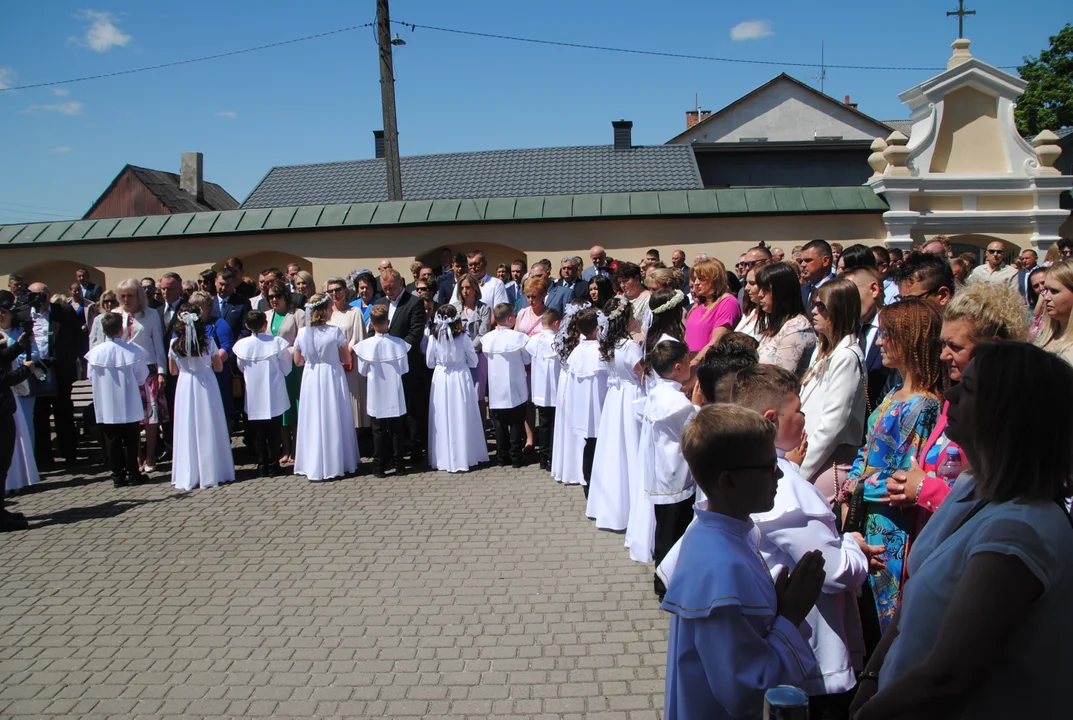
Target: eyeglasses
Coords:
[(989, 251), (422, 289), (336, 290), (924, 294), (274, 297)]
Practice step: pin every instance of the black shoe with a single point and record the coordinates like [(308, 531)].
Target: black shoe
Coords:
[(262, 470), (138, 479), (119, 481), (517, 464), (10, 522), (273, 470), (379, 474), (659, 587)]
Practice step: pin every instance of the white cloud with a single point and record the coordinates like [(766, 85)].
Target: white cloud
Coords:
[(72, 107), (59, 92), (7, 77), (229, 114), (751, 30), (61, 149), (102, 33)]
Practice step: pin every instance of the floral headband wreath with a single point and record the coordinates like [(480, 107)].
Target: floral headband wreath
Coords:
[(617, 312), (318, 304), (671, 304)]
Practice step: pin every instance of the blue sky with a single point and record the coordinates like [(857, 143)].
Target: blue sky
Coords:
[(319, 100)]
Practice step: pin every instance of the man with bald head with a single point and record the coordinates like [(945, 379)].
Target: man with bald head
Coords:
[(778, 254), (678, 262), (995, 269), (56, 332), (599, 265)]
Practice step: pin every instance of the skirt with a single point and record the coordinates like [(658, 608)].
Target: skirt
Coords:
[(293, 382), (154, 400)]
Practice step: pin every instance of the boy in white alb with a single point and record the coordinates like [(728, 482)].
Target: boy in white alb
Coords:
[(508, 388), (117, 370), (544, 369), (588, 373), (382, 359), (734, 632), (265, 361), (664, 413)]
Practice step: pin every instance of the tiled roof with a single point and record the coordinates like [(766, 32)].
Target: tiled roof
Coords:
[(165, 186), (529, 208), (902, 126), (492, 173)]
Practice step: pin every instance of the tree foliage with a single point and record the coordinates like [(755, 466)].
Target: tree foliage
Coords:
[(1047, 103)]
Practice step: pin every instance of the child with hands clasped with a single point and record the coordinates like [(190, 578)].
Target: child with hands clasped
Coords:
[(734, 632)]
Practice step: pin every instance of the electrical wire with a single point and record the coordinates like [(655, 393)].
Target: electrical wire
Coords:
[(679, 56), (48, 210), (187, 62)]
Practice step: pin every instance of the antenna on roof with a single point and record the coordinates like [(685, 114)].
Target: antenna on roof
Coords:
[(823, 69)]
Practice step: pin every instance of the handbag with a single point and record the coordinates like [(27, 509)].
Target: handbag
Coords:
[(42, 387)]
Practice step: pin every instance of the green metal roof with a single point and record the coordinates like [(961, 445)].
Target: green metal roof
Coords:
[(672, 203)]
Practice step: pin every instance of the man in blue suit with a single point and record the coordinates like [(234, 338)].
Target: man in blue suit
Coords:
[(599, 266), (880, 379), (228, 304), (445, 284), (1029, 264), (558, 296)]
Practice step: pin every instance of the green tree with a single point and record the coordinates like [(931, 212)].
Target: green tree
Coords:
[(1047, 103)]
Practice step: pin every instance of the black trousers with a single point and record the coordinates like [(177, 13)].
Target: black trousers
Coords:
[(266, 436), (61, 406), (671, 523), (388, 442), (545, 432), (587, 457), (416, 387), (121, 442), (509, 424), (168, 428), (7, 439)]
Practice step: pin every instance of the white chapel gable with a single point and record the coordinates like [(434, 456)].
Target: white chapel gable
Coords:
[(782, 111)]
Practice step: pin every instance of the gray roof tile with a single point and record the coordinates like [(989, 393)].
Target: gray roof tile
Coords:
[(493, 173)]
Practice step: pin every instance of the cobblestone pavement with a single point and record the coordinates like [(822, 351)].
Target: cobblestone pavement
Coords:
[(472, 596)]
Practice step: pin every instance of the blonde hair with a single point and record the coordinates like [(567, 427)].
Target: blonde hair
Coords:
[(664, 278), (200, 299), (714, 272), (721, 436), (1051, 330), (139, 294), (993, 310), (320, 314)]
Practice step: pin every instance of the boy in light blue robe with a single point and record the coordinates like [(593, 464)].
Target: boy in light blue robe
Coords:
[(734, 632)]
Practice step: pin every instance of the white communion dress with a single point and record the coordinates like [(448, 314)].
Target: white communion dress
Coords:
[(201, 447), (455, 431), (23, 470), (326, 446)]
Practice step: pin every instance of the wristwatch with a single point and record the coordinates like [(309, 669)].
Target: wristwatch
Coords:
[(869, 675)]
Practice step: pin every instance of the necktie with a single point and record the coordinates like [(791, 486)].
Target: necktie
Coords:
[(862, 339)]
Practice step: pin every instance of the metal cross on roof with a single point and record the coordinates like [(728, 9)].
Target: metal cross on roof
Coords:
[(961, 12)]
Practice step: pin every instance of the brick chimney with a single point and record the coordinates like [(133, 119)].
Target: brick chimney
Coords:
[(192, 175), (849, 104), (623, 134), (696, 116), (378, 144)]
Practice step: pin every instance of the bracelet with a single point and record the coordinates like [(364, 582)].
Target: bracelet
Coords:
[(868, 675)]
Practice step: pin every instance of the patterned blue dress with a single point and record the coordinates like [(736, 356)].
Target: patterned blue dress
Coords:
[(898, 429)]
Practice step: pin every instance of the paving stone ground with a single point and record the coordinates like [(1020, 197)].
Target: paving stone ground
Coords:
[(476, 595)]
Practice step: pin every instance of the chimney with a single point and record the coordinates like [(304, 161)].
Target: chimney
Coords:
[(191, 175), (378, 144), (847, 103), (623, 134), (696, 116)]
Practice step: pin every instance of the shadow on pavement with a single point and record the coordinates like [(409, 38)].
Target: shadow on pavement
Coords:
[(108, 509)]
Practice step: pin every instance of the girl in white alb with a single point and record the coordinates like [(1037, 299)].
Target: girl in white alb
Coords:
[(201, 446), (568, 448), (455, 431), (326, 445), (588, 374), (614, 472)]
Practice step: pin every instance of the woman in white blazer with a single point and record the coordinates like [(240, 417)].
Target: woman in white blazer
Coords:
[(833, 389)]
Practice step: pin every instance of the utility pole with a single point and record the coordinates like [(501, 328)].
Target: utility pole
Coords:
[(387, 96)]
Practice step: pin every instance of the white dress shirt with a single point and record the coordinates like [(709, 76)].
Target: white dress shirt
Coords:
[(40, 323), (507, 356), (493, 292)]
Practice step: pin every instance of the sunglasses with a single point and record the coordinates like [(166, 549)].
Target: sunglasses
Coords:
[(422, 289), (993, 252), (924, 294), (336, 290), (274, 297)]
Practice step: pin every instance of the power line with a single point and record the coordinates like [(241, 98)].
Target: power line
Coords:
[(9, 206), (187, 62), (655, 53)]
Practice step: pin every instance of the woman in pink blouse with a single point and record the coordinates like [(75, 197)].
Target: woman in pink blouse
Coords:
[(716, 312), (529, 319)]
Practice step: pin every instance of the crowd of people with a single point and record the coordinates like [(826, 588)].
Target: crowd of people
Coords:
[(790, 444)]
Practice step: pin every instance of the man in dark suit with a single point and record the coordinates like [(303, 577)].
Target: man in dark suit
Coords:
[(90, 291), (817, 267), (228, 304), (57, 334), (880, 379), (445, 284), (406, 320), (571, 280), (1029, 264), (171, 288)]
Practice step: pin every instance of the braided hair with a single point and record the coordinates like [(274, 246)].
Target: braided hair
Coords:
[(619, 313)]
